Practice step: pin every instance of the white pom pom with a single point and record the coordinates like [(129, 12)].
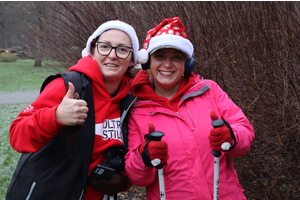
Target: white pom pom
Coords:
[(138, 66), (226, 146), (84, 53), (142, 56)]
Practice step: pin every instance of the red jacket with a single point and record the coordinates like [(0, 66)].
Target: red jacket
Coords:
[(36, 125)]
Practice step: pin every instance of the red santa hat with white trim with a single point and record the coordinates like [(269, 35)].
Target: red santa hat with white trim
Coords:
[(170, 33)]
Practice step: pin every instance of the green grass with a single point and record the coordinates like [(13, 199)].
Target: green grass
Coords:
[(8, 156), (21, 75)]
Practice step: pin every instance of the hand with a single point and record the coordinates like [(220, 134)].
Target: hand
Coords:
[(118, 183), (220, 137), (157, 150), (70, 133), (71, 111)]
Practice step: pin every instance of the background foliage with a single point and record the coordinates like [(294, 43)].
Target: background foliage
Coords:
[(251, 49)]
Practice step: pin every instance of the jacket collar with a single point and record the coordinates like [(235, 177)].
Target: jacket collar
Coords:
[(201, 90)]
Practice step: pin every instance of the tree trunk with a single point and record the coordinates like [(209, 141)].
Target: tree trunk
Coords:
[(40, 27), (38, 62)]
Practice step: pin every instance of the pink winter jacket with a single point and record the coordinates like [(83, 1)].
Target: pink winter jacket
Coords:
[(189, 173)]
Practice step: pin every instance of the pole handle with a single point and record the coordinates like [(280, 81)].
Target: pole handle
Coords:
[(216, 124), (156, 136)]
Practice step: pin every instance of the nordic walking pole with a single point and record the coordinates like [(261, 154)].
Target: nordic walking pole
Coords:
[(106, 197), (156, 136), (216, 123)]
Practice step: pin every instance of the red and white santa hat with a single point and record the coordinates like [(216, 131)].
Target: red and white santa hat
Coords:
[(114, 24), (170, 33)]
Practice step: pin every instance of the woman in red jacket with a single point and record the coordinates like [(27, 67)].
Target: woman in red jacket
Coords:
[(54, 167)]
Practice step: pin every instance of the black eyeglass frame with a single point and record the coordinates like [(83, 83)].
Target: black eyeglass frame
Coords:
[(115, 48)]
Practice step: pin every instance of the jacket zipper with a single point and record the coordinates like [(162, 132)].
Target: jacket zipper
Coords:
[(31, 190), (197, 93), (81, 196), (194, 124)]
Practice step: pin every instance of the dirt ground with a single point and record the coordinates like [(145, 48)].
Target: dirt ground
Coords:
[(134, 193)]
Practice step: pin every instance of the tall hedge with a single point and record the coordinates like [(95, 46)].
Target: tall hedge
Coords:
[(252, 49)]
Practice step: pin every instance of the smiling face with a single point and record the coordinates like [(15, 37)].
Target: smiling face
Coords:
[(112, 67), (167, 68)]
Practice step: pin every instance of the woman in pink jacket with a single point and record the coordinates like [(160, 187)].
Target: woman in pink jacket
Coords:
[(182, 105)]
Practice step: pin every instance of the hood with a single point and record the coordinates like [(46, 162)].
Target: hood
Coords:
[(141, 87), (90, 67)]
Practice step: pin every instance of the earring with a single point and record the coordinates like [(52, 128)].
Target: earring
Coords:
[(182, 76), (149, 72)]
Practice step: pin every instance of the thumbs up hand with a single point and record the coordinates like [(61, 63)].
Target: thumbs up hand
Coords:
[(70, 111)]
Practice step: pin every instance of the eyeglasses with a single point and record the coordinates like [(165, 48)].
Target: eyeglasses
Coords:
[(104, 49)]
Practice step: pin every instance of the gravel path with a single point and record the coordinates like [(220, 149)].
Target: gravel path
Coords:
[(11, 98)]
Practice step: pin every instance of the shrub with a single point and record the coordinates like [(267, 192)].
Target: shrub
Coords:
[(8, 57)]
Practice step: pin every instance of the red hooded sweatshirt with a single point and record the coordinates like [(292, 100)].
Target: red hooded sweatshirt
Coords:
[(141, 87), (36, 124)]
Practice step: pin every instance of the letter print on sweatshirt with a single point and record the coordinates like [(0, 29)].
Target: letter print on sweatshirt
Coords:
[(110, 128)]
